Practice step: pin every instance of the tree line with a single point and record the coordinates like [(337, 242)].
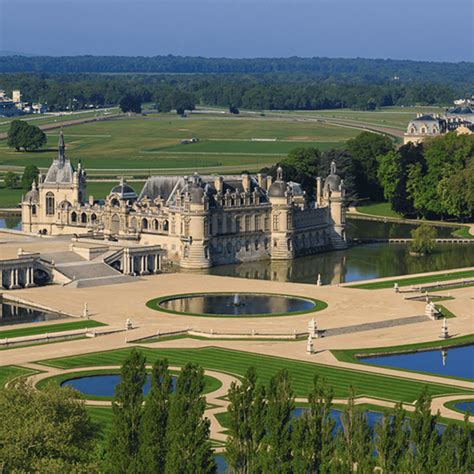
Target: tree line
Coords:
[(367, 70), (166, 431), (282, 91)]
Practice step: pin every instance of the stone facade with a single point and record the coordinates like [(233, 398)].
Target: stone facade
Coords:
[(199, 221)]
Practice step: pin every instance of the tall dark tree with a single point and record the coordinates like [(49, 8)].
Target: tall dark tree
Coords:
[(312, 436), (247, 409), (30, 174), (277, 441), (365, 149), (21, 134), (188, 446), (123, 446), (153, 447), (131, 103)]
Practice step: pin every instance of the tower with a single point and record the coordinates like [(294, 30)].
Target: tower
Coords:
[(334, 196), (281, 220)]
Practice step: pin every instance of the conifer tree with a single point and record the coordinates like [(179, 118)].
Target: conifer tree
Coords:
[(277, 441), (152, 452), (127, 414), (187, 438), (392, 440), (312, 437), (246, 424)]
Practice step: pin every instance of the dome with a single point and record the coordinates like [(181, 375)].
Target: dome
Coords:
[(124, 191), (277, 189), (32, 195), (333, 181)]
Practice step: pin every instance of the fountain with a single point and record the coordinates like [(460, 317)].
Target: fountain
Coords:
[(236, 300)]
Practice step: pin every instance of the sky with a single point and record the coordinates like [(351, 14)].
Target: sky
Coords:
[(436, 30)]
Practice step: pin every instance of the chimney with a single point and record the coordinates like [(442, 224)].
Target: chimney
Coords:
[(269, 182), (261, 179), (246, 182), (318, 190), (218, 181), (91, 200)]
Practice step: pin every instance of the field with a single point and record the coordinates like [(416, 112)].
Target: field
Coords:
[(154, 142), (302, 373), (393, 117)]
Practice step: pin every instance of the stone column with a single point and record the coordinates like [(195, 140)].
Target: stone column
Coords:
[(14, 279), (1, 280), (144, 262), (155, 263)]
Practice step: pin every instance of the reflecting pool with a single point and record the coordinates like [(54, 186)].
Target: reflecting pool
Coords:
[(452, 362), (237, 304), (102, 385), (464, 406), (360, 262), (12, 313)]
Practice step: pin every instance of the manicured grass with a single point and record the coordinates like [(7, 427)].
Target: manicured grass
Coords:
[(463, 233), (445, 313), (50, 328), (211, 384), (10, 198), (302, 373), (155, 304), (351, 355), (10, 372), (419, 280), (382, 209), (126, 143), (451, 404)]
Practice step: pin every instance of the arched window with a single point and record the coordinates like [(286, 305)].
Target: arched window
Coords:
[(93, 218), (165, 226), (49, 204), (257, 223), (115, 224), (73, 217), (115, 202), (33, 210), (83, 218), (144, 224), (155, 224), (133, 223)]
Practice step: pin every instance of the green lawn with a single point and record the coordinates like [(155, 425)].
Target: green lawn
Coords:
[(50, 328), (419, 280), (382, 209), (9, 372), (302, 373), (153, 142)]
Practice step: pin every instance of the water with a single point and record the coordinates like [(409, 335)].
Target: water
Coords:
[(463, 406), (11, 313), (361, 262), (10, 223), (365, 229), (454, 362), (103, 385), (237, 304)]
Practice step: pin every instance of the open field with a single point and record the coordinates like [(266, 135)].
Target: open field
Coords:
[(393, 117), (10, 198), (153, 142), (9, 372), (302, 373)]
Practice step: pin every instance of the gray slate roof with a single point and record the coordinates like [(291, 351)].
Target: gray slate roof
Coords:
[(60, 171)]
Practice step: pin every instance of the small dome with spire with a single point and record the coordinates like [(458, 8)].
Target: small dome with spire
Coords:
[(32, 195), (124, 190), (333, 181), (278, 187)]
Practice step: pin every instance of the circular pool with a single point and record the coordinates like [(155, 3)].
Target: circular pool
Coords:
[(464, 406), (236, 304)]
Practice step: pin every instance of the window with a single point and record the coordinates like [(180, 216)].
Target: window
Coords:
[(144, 224), (267, 223), (257, 223), (33, 210), (49, 204), (83, 218), (276, 222), (237, 224), (247, 223), (73, 217), (165, 226), (93, 218), (155, 224)]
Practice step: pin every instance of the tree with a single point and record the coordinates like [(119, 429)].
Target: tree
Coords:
[(247, 409), (423, 239), (312, 438), (30, 174), (277, 439), (152, 451), (364, 149), (124, 436), (23, 135), (183, 101), (11, 180), (131, 103), (187, 438), (45, 429)]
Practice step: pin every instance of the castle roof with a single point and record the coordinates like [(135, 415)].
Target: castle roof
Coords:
[(61, 170)]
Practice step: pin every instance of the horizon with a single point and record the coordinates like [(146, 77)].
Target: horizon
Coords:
[(241, 29)]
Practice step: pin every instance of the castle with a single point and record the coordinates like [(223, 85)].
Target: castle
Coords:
[(197, 221)]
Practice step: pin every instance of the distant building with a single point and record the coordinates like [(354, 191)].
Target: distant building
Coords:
[(10, 107), (199, 221)]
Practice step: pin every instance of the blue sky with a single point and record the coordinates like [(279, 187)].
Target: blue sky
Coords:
[(439, 30)]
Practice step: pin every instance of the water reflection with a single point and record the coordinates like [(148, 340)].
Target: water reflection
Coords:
[(237, 304), (10, 223), (11, 313), (360, 262), (451, 362)]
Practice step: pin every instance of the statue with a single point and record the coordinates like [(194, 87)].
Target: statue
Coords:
[(309, 345), (396, 288), (431, 311), (128, 324), (85, 311), (319, 282), (444, 330), (312, 328)]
